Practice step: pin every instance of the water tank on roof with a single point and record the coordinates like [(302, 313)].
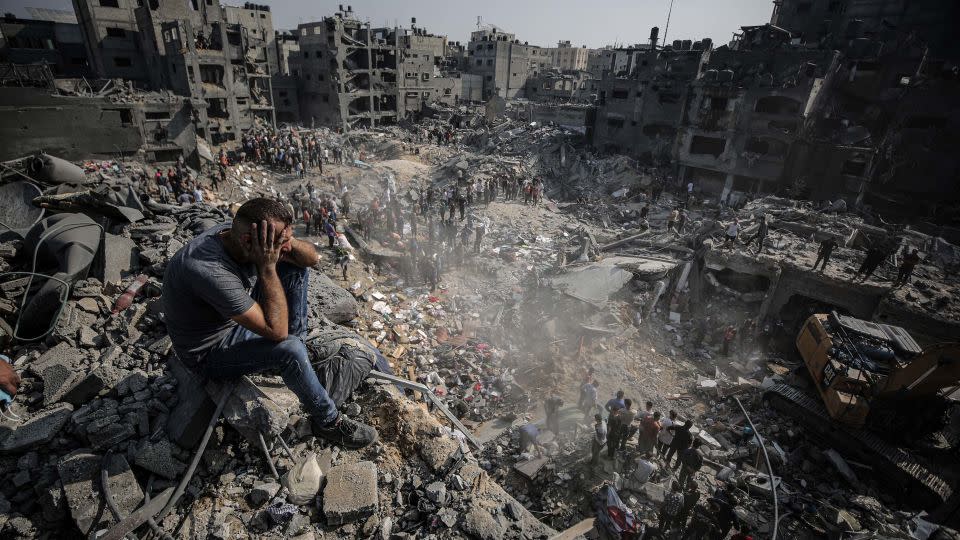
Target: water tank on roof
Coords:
[(707, 44), (687, 44), (698, 45), (710, 75), (677, 44), (725, 75)]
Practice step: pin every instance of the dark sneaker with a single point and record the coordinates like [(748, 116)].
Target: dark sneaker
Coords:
[(347, 433)]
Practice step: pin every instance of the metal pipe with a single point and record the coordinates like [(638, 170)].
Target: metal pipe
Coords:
[(225, 393), (766, 457), (266, 454)]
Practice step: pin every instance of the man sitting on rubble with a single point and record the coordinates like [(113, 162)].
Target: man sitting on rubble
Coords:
[(235, 299)]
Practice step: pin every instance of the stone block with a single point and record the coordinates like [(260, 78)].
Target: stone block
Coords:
[(101, 379), (120, 258), (57, 379), (332, 300), (438, 451), (479, 523), (80, 476), (39, 429), (189, 418), (158, 458), (263, 492), (351, 493)]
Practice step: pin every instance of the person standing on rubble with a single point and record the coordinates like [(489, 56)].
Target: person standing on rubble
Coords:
[(615, 403), (598, 440), (761, 235), (222, 331), (909, 263), (624, 418), (670, 509), (733, 231), (681, 221), (874, 258), (823, 253), (589, 402), (728, 335), (665, 438), (702, 525), (552, 409), (672, 220), (682, 438), (342, 259), (690, 462), (691, 494), (480, 229), (649, 431)]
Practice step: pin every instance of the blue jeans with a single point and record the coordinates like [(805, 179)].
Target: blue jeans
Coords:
[(243, 352)]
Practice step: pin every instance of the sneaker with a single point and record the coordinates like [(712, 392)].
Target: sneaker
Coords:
[(347, 433)]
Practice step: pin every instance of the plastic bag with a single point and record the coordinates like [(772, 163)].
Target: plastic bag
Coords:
[(303, 480)]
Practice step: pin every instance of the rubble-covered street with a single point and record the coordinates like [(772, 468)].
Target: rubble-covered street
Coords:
[(553, 291), (352, 280)]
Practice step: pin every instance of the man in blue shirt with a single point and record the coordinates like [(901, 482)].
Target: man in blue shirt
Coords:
[(615, 402)]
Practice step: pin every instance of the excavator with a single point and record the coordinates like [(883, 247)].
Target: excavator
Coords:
[(879, 392)]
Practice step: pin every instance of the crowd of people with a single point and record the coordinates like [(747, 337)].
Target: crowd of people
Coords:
[(646, 443)]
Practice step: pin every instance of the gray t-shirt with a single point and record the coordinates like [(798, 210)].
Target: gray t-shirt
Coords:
[(202, 288)]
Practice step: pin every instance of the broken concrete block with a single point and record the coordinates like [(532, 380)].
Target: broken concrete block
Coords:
[(120, 258), (57, 379), (479, 523), (437, 451), (437, 492), (189, 418), (263, 492), (80, 476), (351, 493), (158, 458), (335, 302), (101, 379), (39, 429), (249, 410)]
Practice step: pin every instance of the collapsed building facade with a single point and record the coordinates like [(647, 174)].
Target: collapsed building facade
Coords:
[(353, 75)]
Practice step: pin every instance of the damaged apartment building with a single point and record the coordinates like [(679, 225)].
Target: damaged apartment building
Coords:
[(164, 78), (846, 99), (353, 75)]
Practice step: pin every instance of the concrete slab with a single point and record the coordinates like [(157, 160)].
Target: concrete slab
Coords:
[(39, 429), (80, 475), (351, 493)]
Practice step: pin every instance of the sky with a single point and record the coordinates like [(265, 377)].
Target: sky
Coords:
[(593, 23)]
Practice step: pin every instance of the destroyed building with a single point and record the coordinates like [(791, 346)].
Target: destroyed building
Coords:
[(50, 37), (641, 98), (746, 110), (504, 62), (354, 75)]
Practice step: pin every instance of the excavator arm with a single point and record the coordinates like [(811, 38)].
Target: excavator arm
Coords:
[(934, 369)]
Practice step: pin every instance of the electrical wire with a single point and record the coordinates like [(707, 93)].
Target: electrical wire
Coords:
[(65, 294), (766, 457), (182, 486)]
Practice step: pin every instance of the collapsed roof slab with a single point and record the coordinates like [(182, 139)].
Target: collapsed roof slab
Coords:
[(596, 282)]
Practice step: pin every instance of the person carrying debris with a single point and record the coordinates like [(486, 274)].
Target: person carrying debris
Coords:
[(530, 436), (598, 440), (824, 252), (236, 304), (909, 263)]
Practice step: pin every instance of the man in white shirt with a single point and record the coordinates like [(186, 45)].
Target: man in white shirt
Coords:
[(733, 230), (599, 438), (666, 437)]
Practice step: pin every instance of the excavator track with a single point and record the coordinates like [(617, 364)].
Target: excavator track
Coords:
[(889, 461)]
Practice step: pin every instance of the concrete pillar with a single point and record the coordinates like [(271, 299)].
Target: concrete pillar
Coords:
[(727, 187)]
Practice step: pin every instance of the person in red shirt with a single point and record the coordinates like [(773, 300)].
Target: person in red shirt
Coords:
[(649, 430)]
